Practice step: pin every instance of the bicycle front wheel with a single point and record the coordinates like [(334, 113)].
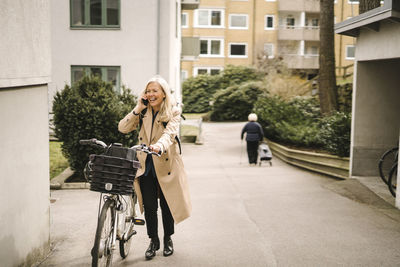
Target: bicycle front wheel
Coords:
[(392, 183), (102, 250), (126, 239), (386, 162)]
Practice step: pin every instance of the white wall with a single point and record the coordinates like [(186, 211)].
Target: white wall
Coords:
[(376, 114), (24, 42), (133, 47), (24, 148), (370, 44)]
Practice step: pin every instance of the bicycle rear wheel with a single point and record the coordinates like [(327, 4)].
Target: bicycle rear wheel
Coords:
[(124, 246), (392, 182), (102, 249), (386, 163)]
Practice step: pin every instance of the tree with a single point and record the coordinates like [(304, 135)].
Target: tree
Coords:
[(327, 76), (366, 5)]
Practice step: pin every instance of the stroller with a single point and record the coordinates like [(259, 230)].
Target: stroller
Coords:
[(264, 153)]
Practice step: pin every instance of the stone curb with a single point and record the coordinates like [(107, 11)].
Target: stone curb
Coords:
[(58, 182), (323, 163)]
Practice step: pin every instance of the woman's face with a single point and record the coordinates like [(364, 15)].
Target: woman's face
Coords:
[(155, 95)]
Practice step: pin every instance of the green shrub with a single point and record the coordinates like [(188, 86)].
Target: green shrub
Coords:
[(235, 75), (90, 109), (197, 93), (335, 133), (292, 123), (345, 92), (299, 123), (237, 101)]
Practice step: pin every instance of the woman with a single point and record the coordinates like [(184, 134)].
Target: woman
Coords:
[(159, 177), (254, 134)]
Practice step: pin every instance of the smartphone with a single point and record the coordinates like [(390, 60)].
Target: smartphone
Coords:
[(145, 101)]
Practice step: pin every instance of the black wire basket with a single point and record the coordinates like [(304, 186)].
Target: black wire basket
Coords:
[(113, 174)]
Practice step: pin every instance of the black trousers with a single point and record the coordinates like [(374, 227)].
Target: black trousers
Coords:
[(151, 191), (252, 153)]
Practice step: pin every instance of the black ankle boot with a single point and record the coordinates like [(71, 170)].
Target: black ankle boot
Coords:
[(153, 247), (168, 247)]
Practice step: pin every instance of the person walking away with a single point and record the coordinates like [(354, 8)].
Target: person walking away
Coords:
[(254, 134), (162, 177)]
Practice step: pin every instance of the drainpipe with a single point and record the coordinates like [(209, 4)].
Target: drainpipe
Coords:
[(341, 40), (158, 38), (254, 33)]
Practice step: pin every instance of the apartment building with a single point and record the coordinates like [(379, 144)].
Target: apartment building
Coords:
[(123, 42), (237, 32)]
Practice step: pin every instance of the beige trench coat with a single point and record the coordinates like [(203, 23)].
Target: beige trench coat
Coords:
[(169, 167)]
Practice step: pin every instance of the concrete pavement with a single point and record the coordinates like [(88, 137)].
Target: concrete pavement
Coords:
[(246, 216)]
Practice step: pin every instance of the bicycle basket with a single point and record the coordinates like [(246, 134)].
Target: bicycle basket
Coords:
[(112, 174)]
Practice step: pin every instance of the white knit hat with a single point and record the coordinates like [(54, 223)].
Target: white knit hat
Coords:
[(252, 117)]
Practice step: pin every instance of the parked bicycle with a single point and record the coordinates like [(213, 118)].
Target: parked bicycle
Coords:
[(112, 174), (392, 182), (388, 168)]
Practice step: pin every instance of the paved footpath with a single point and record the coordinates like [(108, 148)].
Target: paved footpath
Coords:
[(246, 216)]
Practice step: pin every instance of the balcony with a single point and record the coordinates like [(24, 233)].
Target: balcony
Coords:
[(299, 5), (190, 4), (301, 61), (307, 33), (190, 48)]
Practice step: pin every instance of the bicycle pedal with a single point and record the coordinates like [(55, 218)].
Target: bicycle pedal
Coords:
[(138, 222), (129, 236)]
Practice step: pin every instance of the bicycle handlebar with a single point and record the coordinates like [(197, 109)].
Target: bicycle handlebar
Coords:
[(146, 149), (92, 142)]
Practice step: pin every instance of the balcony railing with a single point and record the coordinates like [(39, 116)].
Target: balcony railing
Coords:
[(307, 33), (190, 48), (299, 5), (308, 61), (190, 4)]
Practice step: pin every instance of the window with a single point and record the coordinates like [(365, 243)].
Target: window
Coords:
[(269, 22), (353, 1), (207, 70), (184, 20), (95, 13), (290, 23), (313, 51), (184, 75), (211, 47), (350, 51), (238, 21), (315, 22), (238, 50), (269, 50), (107, 74), (209, 18)]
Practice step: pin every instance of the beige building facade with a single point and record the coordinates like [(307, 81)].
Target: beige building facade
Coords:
[(238, 32)]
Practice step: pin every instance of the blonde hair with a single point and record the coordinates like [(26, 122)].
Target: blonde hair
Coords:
[(252, 117), (168, 102)]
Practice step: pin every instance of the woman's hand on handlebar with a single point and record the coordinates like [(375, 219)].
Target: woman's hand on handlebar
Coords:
[(146, 149), (155, 149)]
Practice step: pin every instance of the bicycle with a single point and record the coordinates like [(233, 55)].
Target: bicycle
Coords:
[(386, 163), (392, 181), (112, 174)]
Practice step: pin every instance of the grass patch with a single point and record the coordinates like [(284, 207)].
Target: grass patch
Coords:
[(58, 162), (189, 130)]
